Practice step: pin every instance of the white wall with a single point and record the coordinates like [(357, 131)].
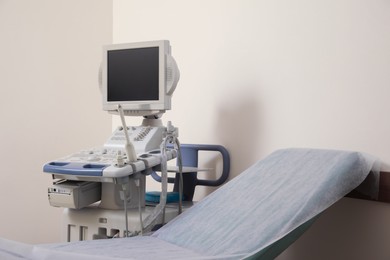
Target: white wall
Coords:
[(49, 103), (261, 75)]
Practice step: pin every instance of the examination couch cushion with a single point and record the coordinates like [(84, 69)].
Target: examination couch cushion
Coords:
[(268, 201)]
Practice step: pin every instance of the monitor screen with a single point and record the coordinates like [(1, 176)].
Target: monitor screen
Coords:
[(133, 74)]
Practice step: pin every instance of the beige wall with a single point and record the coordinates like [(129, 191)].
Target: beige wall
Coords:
[(49, 103), (262, 75)]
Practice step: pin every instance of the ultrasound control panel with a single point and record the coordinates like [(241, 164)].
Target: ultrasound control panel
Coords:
[(104, 161), (144, 138)]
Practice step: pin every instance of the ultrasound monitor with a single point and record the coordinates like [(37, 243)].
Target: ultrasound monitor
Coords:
[(140, 77)]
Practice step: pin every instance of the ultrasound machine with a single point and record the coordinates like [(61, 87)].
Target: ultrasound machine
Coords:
[(103, 188)]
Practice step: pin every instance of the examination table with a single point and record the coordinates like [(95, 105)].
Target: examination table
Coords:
[(256, 215)]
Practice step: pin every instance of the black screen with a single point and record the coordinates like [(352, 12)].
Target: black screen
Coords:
[(133, 74)]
